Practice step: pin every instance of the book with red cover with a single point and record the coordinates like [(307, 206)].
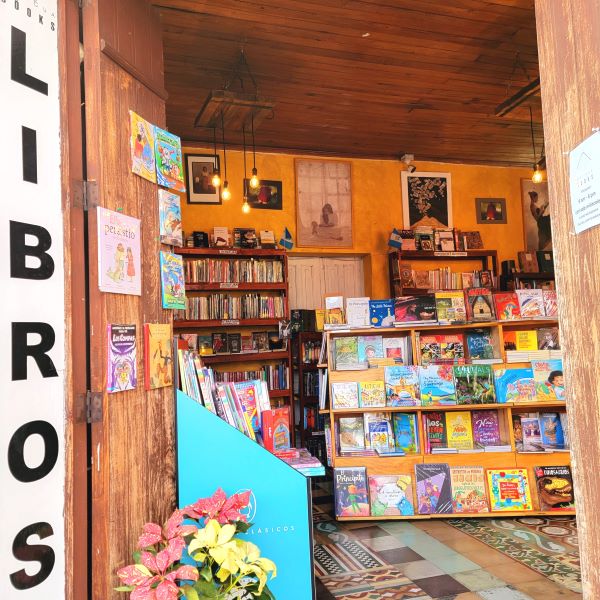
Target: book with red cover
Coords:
[(507, 306), (276, 429)]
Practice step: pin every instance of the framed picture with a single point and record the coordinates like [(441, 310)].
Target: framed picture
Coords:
[(536, 215), (199, 169), (426, 199), (267, 196), (491, 211), (323, 203)]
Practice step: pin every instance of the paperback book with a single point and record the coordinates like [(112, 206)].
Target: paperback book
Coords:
[(142, 147), (515, 385), (391, 495), (474, 384), (402, 386), (172, 280), (555, 488), (434, 430), (486, 427), (158, 358), (345, 353), (396, 348), (369, 346), (350, 491), (549, 381), (357, 312), (526, 340), (380, 433), (434, 492), (169, 167), (437, 385), (550, 303), (531, 303), (122, 358), (442, 348), (405, 432), (468, 490), (551, 431), (381, 313), (459, 429), (509, 489), (345, 394), (169, 218), (352, 434), (532, 435), (480, 344), (275, 427), (480, 305), (334, 310), (450, 307), (548, 338), (415, 309), (372, 394), (507, 306)]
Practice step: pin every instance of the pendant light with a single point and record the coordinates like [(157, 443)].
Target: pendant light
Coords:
[(216, 176), (225, 191), (537, 175), (245, 205), (254, 180)]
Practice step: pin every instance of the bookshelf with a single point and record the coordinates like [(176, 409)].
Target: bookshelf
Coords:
[(510, 459), (523, 280)]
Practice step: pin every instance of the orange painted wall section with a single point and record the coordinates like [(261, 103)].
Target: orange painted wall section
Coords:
[(377, 206)]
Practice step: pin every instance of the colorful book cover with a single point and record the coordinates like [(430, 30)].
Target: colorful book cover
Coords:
[(526, 341), (369, 346), (380, 435), (550, 303), (158, 355), (442, 348), (247, 394), (219, 343), (548, 338), (169, 210), (507, 306), (564, 422), (437, 385), (372, 394), (142, 147), (393, 347), (518, 431), (486, 427), (514, 385), (509, 489), (405, 432), (549, 381), (531, 303), (434, 427), (468, 490), (480, 304), (474, 384), (381, 313), (122, 358), (459, 429), (350, 491), (555, 488), (275, 426), (434, 493), (450, 307), (391, 495), (409, 309), (532, 435), (345, 394), (172, 280), (345, 352), (402, 386), (480, 344), (551, 431), (119, 265), (352, 434), (169, 166), (375, 417)]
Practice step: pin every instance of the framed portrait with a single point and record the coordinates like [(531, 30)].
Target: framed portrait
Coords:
[(199, 169), (267, 196), (426, 199), (323, 203), (536, 215), (490, 211)]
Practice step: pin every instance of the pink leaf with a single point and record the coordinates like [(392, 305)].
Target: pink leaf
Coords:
[(186, 572), (163, 560), (175, 549), (143, 593), (151, 534), (149, 561), (173, 524), (167, 590), (131, 575)]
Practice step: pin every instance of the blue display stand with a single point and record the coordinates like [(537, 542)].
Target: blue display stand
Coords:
[(212, 454)]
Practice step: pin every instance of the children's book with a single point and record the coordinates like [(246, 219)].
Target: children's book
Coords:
[(169, 166), (509, 489), (345, 353), (357, 312), (532, 435), (531, 303), (551, 431), (391, 495), (518, 431), (369, 346), (507, 306), (395, 347), (442, 348), (169, 210), (380, 434), (275, 426), (402, 386), (486, 427), (142, 147), (548, 338), (415, 309), (480, 344), (158, 355), (550, 303), (172, 280), (549, 382), (459, 429), (434, 430), (334, 310), (514, 385), (374, 417), (474, 384), (480, 305), (345, 394), (350, 491), (434, 492), (450, 307), (119, 266), (437, 385), (372, 394), (381, 313), (247, 392), (352, 434), (555, 488), (468, 490), (122, 358), (405, 432), (219, 343), (526, 340)]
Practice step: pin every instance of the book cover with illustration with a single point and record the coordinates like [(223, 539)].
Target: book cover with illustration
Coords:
[(548, 338), (352, 434), (555, 488), (345, 353), (514, 385), (381, 437), (549, 381), (442, 348), (172, 280), (142, 147), (411, 309), (550, 303), (350, 492), (509, 489), (480, 304), (391, 495), (437, 385), (169, 211), (480, 344), (372, 394), (369, 346), (247, 392), (434, 430), (507, 306), (405, 432), (459, 429), (345, 394), (486, 427), (395, 347), (450, 307), (381, 313), (531, 433), (169, 166), (531, 303), (119, 265), (122, 358), (434, 492), (275, 427), (402, 385), (474, 384), (158, 359), (551, 431), (468, 490)]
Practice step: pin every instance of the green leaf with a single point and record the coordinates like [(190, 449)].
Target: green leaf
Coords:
[(205, 589), (125, 588), (137, 556), (242, 527), (266, 594), (206, 573), (190, 593)]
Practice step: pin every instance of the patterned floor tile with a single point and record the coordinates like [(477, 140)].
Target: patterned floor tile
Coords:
[(441, 585), (405, 592), (419, 569), (478, 579), (369, 532), (399, 555), (387, 542), (504, 593), (347, 555)]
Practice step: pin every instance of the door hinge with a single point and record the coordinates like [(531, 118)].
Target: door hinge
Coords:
[(85, 194), (92, 407)]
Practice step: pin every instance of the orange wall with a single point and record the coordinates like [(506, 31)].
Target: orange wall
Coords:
[(377, 206)]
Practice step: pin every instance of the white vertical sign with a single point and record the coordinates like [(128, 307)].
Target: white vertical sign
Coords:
[(584, 179), (32, 315)]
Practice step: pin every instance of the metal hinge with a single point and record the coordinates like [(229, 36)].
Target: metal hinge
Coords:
[(85, 194), (92, 407)]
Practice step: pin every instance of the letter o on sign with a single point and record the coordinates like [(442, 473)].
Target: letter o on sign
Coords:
[(16, 451)]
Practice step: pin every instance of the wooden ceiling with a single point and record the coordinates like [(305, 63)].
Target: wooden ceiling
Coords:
[(371, 78)]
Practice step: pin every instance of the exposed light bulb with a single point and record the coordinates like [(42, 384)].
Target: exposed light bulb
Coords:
[(245, 206), (537, 176), (225, 192), (216, 179), (254, 180)]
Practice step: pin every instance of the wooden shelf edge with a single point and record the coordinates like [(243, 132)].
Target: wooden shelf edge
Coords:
[(226, 252), (209, 324), (280, 393), (234, 287), (244, 357), (492, 514)]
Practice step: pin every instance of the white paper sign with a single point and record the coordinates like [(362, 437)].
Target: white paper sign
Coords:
[(584, 162)]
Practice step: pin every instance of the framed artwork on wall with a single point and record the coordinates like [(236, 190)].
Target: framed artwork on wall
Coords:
[(267, 196), (426, 199), (536, 215), (199, 169), (323, 203), (490, 211)]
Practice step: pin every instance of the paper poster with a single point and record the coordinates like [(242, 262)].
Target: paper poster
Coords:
[(169, 167), (119, 266), (170, 218), (122, 358), (172, 280), (142, 147), (585, 183)]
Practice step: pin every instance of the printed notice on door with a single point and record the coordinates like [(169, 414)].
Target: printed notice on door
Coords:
[(584, 165)]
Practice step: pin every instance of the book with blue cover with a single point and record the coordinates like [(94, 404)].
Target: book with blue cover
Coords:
[(405, 432), (479, 343), (369, 346), (437, 385), (514, 385), (381, 313), (551, 431)]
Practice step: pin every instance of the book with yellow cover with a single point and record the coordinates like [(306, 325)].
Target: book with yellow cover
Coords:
[(509, 489), (158, 358), (459, 429), (320, 318), (372, 394), (526, 340)]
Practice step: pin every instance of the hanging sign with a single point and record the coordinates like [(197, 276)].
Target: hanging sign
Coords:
[(584, 162)]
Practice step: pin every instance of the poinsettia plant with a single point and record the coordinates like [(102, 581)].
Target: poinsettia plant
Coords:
[(217, 564)]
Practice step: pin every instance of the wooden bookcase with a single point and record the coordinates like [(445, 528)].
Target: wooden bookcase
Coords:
[(523, 280), (405, 464)]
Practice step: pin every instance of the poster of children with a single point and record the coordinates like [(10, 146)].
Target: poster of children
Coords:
[(118, 253), (169, 165), (142, 147)]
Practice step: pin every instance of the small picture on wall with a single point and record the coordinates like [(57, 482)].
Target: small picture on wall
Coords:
[(426, 199), (199, 169), (536, 215), (491, 211), (268, 195)]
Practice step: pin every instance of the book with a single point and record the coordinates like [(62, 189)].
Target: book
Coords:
[(381, 313), (260, 341), (172, 281), (121, 372), (372, 394), (405, 430), (275, 428), (369, 346), (434, 492), (158, 355), (401, 386), (528, 262), (406, 275), (434, 430), (532, 435), (517, 431), (334, 310), (509, 490), (549, 381), (219, 343), (169, 167), (459, 429), (169, 211), (526, 340), (380, 435), (352, 434), (247, 392), (480, 344), (234, 342), (442, 348), (480, 304), (545, 260), (205, 345), (350, 492), (469, 493), (450, 307), (514, 385), (357, 312), (345, 353), (550, 303), (345, 394), (555, 488), (141, 134), (245, 237), (472, 240), (267, 238), (395, 347), (415, 309), (408, 239), (319, 319), (551, 431), (531, 303), (191, 340), (474, 384), (564, 422), (391, 495), (507, 306), (436, 383), (548, 338), (221, 237), (486, 427)]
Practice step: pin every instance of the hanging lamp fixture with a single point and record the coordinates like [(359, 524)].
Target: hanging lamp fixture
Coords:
[(216, 176), (537, 175), (225, 191), (254, 180), (245, 205)]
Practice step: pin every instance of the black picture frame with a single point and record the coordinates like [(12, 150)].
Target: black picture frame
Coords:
[(200, 191)]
